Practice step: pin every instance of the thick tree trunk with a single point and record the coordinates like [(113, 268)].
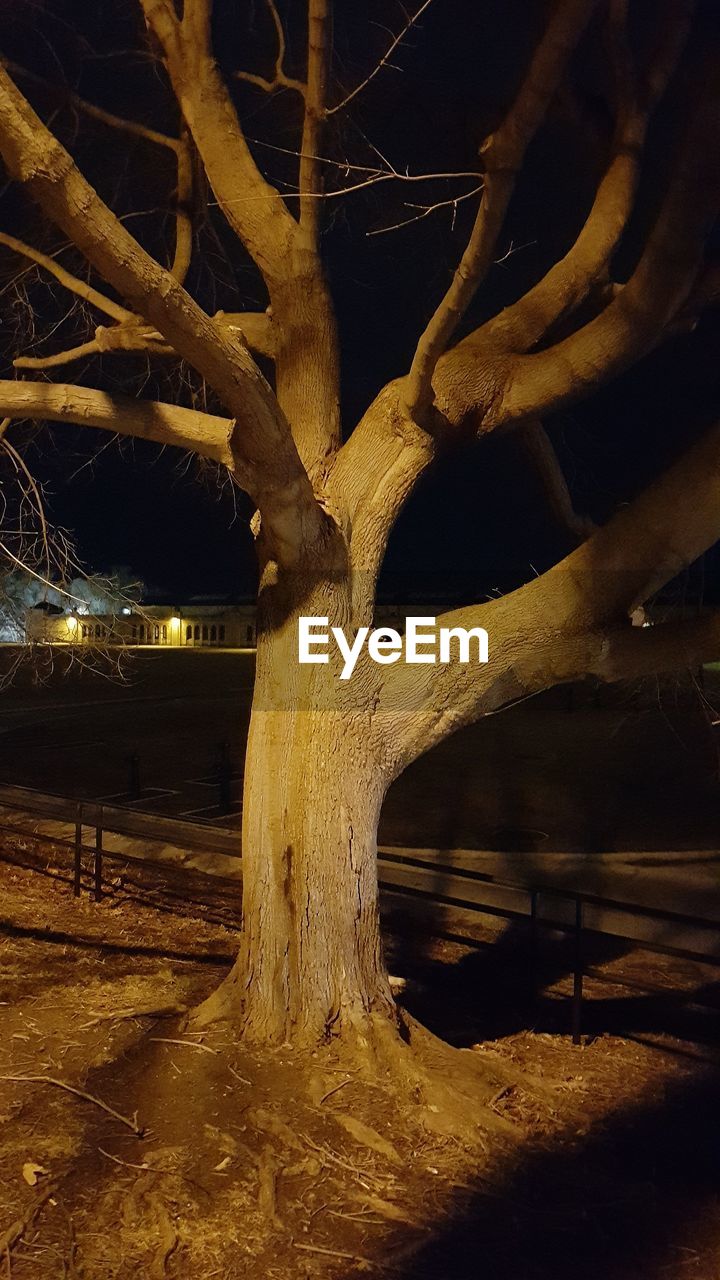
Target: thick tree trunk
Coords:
[(311, 963)]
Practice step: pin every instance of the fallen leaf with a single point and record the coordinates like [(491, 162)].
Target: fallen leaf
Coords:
[(31, 1172)]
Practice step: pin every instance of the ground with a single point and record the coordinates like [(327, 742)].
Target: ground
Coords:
[(597, 1160), (584, 769)]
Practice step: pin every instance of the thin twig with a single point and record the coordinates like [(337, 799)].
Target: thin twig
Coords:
[(80, 1093), (330, 1253), (334, 1089), (237, 1075), (129, 1164), (190, 1044), (66, 278), (383, 61)]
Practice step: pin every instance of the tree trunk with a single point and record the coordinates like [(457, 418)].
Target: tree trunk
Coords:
[(311, 961)]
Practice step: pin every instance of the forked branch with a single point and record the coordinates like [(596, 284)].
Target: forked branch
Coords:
[(265, 459), (252, 207), (179, 147), (502, 153), (572, 620), (280, 80), (522, 325)]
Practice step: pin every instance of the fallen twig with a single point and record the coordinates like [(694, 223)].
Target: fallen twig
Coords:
[(237, 1075), (161, 1011), (80, 1093), (128, 1164), (334, 1089), (331, 1253), (190, 1044)]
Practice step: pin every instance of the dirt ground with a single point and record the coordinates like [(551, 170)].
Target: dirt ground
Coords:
[(130, 1147)]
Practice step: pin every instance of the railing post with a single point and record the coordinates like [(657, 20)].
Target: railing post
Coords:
[(225, 776), (134, 787), (77, 876), (534, 896), (98, 856), (577, 998)]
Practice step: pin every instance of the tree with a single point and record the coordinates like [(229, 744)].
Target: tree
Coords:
[(322, 752)]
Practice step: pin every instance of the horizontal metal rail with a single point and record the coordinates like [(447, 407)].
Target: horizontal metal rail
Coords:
[(585, 918)]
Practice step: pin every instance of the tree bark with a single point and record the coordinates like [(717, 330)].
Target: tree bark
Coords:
[(311, 962)]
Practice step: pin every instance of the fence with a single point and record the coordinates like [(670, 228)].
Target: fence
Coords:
[(574, 912)]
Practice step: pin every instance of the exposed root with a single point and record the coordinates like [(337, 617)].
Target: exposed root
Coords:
[(454, 1089), (15, 1232), (169, 1238), (451, 1087)]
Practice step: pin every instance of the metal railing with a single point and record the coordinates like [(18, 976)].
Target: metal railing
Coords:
[(586, 913)]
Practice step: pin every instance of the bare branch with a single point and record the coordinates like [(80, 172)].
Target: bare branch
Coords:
[(79, 352), (280, 79), (71, 282), (306, 352), (319, 17), (520, 326), (66, 95), (254, 329), (572, 620), (537, 444), (383, 61), (266, 461), (502, 152), (183, 213), (639, 316), (632, 652), (167, 424), (251, 205), (179, 146), (480, 385)]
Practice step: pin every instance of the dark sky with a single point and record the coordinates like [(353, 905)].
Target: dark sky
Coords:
[(481, 511)]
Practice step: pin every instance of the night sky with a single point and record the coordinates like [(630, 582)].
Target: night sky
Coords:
[(171, 522)]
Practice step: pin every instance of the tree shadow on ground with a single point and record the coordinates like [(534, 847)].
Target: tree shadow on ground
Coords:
[(499, 988), (638, 1196), (495, 989)]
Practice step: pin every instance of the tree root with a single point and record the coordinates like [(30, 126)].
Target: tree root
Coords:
[(15, 1232)]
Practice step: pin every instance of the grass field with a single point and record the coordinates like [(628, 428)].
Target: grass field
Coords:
[(557, 772)]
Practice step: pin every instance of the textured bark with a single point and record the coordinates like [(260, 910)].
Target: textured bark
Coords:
[(208, 436), (311, 963)]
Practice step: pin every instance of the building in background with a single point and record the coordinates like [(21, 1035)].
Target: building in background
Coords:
[(193, 626), (196, 625)]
